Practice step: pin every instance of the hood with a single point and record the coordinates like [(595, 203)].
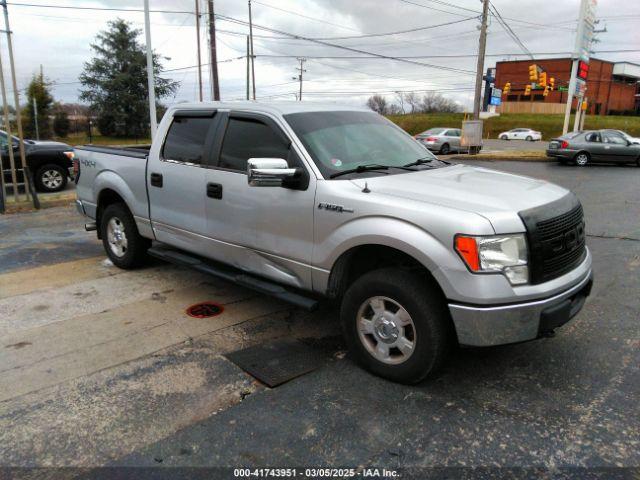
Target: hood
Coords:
[(48, 145), (498, 196)]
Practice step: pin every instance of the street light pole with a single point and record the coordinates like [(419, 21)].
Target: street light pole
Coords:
[(150, 77), (480, 66), (198, 48), (253, 70)]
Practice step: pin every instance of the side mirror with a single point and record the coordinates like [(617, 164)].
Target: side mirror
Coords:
[(268, 172)]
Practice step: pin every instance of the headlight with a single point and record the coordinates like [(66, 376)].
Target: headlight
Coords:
[(506, 254)]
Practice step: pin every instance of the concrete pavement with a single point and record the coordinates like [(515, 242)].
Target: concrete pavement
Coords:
[(100, 366)]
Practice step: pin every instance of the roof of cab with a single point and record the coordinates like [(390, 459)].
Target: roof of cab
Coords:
[(282, 108)]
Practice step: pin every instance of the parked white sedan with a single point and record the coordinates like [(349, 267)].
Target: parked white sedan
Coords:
[(521, 134)]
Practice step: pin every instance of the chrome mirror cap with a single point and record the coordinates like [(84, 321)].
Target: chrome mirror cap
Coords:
[(268, 172)]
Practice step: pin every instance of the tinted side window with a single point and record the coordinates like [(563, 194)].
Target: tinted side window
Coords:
[(186, 139), (592, 137), (245, 139)]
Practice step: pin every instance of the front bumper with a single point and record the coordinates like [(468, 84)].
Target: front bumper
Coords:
[(483, 326)]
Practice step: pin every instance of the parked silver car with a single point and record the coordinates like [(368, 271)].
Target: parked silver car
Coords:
[(442, 140)]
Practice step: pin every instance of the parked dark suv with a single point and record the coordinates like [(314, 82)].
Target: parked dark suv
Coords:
[(49, 162)]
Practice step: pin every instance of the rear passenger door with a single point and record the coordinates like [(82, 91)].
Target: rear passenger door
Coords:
[(454, 139), (176, 175), (263, 230)]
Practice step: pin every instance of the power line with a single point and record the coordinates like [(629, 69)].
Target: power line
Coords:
[(342, 47), (107, 9), (509, 30), (304, 16)]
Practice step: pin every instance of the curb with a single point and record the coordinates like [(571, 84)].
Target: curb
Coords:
[(504, 158)]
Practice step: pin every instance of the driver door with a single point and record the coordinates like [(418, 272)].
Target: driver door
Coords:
[(617, 148), (263, 230)]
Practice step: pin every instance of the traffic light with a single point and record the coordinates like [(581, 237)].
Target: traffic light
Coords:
[(533, 72), (527, 90), (552, 83), (507, 88), (542, 79), (546, 91)]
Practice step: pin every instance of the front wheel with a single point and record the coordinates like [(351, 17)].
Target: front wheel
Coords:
[(124, 245), (504, 137), (50, 178), (529, 139), (396, 324)]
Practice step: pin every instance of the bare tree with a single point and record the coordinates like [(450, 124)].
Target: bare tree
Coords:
[(379, 104), (413, 100), (400, 104), (435, 102)]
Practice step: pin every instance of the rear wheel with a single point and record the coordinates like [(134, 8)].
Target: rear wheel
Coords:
[(445, 149), (50, 178), (582, 159), (396, 324), (124, 245)]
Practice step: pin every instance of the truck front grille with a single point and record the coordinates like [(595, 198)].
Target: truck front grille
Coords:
[(556, 238)]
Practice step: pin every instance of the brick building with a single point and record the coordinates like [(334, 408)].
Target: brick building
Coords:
[(612, 87)]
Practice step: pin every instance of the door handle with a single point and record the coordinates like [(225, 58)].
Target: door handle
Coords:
[(214, 190), (156, 180)]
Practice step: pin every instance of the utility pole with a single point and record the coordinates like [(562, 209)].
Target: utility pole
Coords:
[(150, 77), (214, 55), (253, 57), (198, 47), (248, 61), (16, 97), (480, 66), (7, 126), (299, 77), (35, 117)]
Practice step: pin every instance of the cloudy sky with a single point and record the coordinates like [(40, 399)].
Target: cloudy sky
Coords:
[(59, 39)]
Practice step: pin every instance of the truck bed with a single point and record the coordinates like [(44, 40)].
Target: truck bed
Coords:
[(120, 168)]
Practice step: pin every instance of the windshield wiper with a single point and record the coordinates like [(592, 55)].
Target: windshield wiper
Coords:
[(420, 161), (360, 169)]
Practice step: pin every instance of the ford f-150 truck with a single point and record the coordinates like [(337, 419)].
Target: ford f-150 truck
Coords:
[(305, 202)]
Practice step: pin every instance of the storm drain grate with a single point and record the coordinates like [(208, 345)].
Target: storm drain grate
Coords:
[(204, 310), (277, 362)]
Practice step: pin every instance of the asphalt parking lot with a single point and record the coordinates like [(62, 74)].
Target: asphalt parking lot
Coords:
[(102, 367)]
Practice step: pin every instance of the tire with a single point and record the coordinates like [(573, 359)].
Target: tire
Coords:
[(445, 149), (50, 178), (504, 137), (427, 334), (529, 139), (122, 242), (582, 159), (638, 161)]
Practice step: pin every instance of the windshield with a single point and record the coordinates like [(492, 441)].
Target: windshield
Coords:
[(345, 140)]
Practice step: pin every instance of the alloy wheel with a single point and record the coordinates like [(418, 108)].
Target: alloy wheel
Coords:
[(117, 237), (386, 330), (52, 179)]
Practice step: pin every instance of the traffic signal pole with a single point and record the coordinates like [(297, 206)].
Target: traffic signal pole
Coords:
[(572, 87), (480, 66)]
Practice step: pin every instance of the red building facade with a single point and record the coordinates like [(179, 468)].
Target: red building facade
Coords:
[(612, 88)]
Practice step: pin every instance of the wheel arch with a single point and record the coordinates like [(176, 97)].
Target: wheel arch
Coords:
[(364, 258), (107, 196)]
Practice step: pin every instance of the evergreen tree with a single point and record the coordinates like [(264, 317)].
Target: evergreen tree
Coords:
[(61, 123), (38, 89), (115, 81)]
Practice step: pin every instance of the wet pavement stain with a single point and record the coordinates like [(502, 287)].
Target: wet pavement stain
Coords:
[(19, 345)]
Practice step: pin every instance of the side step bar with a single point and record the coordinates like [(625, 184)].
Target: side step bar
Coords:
[(231, 275)]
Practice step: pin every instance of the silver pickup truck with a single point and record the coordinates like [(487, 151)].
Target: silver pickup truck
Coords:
[(305, 202)]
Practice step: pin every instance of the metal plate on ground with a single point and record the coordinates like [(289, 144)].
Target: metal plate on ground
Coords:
[(277, 362)]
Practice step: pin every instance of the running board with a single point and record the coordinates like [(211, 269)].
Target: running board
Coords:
[(232, 275)]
